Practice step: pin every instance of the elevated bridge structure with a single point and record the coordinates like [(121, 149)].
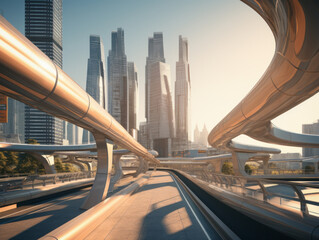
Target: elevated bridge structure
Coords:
[(292, 77)]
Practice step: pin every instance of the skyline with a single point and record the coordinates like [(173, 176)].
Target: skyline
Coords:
[(229, 35)]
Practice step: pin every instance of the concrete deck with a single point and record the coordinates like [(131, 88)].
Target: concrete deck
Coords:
[(34, 220), (159, 210)]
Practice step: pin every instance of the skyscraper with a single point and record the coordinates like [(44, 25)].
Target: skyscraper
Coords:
[(13, 130), (155, 54), (96, 79), (159, 108), (310, 129), (118, 87), (182, 97), (133, 98), (43, 27)]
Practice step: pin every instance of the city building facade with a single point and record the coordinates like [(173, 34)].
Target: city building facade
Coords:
[(133, 98), (43, 27), (161, 117), (155, 54), (310, 129), (13, 130), (96, 78), (118, 87), (182, 98)]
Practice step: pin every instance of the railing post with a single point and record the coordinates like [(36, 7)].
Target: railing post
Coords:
[(263, 189), (102, 179), (303, 204)]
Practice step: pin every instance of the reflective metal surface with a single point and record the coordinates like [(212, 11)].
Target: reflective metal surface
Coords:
[(291, 78), (28, 75)]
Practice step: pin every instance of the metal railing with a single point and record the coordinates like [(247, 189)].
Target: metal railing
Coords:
[(31, 181)]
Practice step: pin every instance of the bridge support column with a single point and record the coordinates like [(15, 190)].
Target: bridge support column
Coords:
[(140, 168), (102, 179), (118, 172), (46, 160), (239, 159), (265, 166)]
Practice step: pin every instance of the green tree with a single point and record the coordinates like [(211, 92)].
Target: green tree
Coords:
[(12, 161), (248, 169), (58, 165), (28, 164), (227, 168), (63, 167), (3, 163)]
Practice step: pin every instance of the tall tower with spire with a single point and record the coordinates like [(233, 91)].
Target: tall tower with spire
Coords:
[(182, 97)]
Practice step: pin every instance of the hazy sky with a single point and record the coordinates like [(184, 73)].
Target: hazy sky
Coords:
[(230, 47)]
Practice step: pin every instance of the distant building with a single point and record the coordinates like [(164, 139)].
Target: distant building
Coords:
[(285, 156), (43, 27), (143, 135), (196, 135), (155, 54), (118, 87), (133, 98), (96, 78), (182, 98), (200, 138), (13, 130), (161, 118), (158, 99), (310, 129)]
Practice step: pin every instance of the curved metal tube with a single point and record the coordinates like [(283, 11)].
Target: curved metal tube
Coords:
[(291, 78), (272, 134), (28, 75)]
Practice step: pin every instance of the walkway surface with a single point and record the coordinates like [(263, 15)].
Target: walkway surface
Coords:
[(159, 210), (34, 220)]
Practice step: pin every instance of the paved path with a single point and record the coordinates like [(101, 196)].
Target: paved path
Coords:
[(37, 219), (159, 210)]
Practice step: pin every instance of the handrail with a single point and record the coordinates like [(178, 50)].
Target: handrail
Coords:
[(29, 76), (261, 182), (291, 78)]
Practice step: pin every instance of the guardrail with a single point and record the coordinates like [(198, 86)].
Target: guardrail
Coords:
[(292, 196), (34, 180)]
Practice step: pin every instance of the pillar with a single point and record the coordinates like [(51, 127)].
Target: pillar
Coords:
[(102, 179)]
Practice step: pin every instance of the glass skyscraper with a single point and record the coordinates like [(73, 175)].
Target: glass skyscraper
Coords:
[(96, 79), (133, 98), (118, 87), (160, 117), (182, 98), (155, 54), (43, 27)]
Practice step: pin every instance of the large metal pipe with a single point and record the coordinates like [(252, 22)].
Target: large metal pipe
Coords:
[(28, 75), (291, 78)]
